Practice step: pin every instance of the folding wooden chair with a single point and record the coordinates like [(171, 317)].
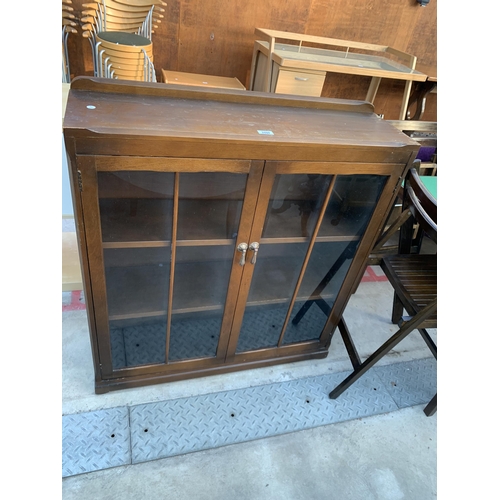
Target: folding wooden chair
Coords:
[(414, 279), (387, 244)]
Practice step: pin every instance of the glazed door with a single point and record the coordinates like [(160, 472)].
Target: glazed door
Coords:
[(165, 266), (306, 232)]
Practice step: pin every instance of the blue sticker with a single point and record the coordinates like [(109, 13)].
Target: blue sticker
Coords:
[(265, 132)]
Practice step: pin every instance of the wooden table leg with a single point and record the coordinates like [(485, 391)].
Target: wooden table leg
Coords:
[(406, 97), (372, 90), (269, 67)]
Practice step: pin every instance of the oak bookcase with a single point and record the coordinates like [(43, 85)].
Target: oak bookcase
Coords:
[(221, 230)]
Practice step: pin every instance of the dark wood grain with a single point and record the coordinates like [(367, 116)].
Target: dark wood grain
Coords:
[(156, 129)]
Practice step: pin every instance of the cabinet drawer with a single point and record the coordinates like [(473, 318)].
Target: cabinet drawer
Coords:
[(300, 83)]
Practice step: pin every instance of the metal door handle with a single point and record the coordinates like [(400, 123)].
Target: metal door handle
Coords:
[(255, 247), (242, 247), (300, 79)]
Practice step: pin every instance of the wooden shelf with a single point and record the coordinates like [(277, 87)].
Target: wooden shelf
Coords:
[(160, 243), (148, 222), (142, 291), (222, 243), (200, 287), (149, 225)]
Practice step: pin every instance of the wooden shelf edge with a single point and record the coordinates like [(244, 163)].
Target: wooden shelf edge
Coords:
[(106, 85), (191, 310), (221, 242)]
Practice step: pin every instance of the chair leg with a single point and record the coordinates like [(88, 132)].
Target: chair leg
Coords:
[(406, 329), (349, 344), (397, 309), (369, 362), (430, 343), (431, 408)]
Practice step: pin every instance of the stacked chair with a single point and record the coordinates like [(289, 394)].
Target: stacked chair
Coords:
[(120, 34), (68, 26)]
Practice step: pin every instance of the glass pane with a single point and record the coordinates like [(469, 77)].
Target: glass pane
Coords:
[(294, 205), (210, 205), (135, 206), (290, 220), (349, 210), (342, 58), (209, 213), (136, 213)]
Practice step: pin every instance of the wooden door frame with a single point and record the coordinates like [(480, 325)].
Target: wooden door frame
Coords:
[(248, 269), (87, 172), (333, 169), (88, 167), (386, 199)]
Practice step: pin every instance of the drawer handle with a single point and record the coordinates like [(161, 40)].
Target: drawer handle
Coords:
[(301, 79), (255, 247), (242, 247)]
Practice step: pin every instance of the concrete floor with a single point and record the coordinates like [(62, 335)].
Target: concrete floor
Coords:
[(362, 459)]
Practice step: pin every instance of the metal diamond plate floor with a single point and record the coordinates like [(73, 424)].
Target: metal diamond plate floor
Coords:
[(130, 435), (95, 440)]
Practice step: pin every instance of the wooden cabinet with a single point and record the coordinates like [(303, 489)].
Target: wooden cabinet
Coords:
[(220, 230), (295, 81)]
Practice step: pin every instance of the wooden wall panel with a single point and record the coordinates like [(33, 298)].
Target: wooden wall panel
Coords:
[(166, 39), (216, 37)]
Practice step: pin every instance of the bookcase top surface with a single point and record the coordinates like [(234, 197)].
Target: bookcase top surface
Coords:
[(134, 109)]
